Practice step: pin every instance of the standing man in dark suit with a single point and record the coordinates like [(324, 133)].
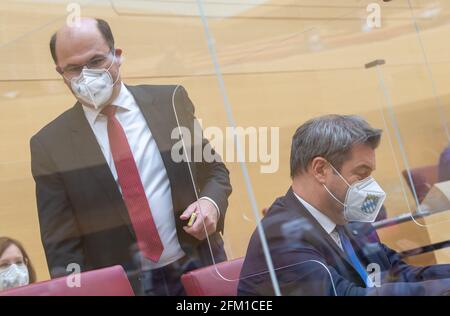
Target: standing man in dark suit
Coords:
[(315, 251), (108, 189)]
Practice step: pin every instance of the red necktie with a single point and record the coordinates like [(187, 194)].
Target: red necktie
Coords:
[(133, 192)]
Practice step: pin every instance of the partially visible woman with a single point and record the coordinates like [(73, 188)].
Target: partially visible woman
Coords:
[(15, 265)]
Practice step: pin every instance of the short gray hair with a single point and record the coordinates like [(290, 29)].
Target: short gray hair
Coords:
[(330, 137)]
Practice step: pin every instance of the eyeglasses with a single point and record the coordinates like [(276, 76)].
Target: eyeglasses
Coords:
[(97, 62)]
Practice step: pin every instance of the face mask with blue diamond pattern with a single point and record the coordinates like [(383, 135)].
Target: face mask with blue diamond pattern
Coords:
[(363, 201)]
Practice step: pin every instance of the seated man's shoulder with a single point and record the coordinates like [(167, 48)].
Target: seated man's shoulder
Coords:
[(287, 232), (284, 227), (282, 218)]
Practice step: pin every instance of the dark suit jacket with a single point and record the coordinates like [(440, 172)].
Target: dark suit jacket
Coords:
[(302, 252), (82, 216)]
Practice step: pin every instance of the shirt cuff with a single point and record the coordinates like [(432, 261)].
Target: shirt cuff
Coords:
[(214, 203)]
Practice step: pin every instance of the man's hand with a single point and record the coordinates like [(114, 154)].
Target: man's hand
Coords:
[(207, 217)]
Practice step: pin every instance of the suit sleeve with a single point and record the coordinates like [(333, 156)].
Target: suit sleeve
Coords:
[(212, 174), (59, 232), (400, 270), (409, 273), (307, 273), (302, 269)]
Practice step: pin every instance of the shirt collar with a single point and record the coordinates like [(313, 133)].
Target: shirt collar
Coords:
[(323, 220), (124, 101)]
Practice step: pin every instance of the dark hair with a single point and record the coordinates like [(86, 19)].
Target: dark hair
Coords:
[(102, 26), (5, 242), (330, 137)]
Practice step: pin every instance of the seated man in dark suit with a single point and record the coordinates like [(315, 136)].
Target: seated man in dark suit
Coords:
[(314, 231)]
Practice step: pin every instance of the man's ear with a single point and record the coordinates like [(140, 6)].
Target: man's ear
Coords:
[(319, 169), (118, 53)]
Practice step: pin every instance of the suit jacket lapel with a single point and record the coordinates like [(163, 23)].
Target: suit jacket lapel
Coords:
[(159, 124), (317, 227), (373, 252), (161, 121)]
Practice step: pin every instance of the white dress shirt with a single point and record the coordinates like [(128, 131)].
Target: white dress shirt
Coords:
[(149, 164), (327, 224)]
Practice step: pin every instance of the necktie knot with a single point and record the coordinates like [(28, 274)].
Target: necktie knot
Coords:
[(109, 110)]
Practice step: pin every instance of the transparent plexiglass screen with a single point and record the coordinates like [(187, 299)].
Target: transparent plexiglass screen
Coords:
[(231, 82)]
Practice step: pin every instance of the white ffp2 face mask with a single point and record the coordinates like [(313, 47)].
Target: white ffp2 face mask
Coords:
[(363, 201), (14, 276), (94, 86)]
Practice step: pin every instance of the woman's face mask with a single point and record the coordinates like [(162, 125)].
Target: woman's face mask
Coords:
[(13, 276), (94, 86), (363, 201)]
